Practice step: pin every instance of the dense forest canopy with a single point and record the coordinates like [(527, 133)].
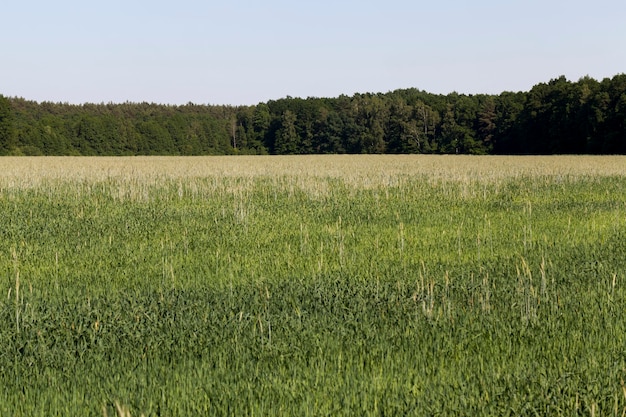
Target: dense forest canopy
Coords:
[(587, 116)]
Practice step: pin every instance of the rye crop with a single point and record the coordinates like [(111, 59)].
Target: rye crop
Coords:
[(337, 285)]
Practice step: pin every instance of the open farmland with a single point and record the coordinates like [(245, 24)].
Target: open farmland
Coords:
[(335, 285)]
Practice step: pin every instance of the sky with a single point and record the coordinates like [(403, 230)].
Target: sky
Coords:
[(243, 52)]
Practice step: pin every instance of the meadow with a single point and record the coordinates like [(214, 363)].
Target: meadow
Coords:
[(309, 286)]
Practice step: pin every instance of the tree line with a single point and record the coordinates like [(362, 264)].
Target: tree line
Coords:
[(560, 116)]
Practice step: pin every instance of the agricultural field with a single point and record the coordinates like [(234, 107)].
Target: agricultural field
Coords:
[(313, 285)]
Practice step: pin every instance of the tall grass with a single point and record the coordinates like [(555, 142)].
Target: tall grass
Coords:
[(313, 286)]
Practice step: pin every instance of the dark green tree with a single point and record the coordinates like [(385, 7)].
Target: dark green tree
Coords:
[(403, 135), (7, 128), (487, 123), (328, 131), (507, 136), (287, 139), (451, 133), (427, 120), (371, 117), (555, 117)]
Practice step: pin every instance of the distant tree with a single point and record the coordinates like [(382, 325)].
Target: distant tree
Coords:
[(451, 133), (54, 138), (427, 120), (7, 128), (615, 124), (508, 136), (487, 123), (372, 112), (328, 132), (403, 135), (156, 140), (89, 135), (287, 139), (555, 117)]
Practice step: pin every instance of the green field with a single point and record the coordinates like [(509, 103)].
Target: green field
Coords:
[(302, 286)]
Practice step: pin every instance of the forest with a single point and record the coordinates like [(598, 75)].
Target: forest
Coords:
[(558, 117)]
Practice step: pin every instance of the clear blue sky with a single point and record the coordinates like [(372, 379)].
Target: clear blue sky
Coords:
[(246, 52)]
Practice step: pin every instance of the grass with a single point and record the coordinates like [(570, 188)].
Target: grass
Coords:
[(338, 285)]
